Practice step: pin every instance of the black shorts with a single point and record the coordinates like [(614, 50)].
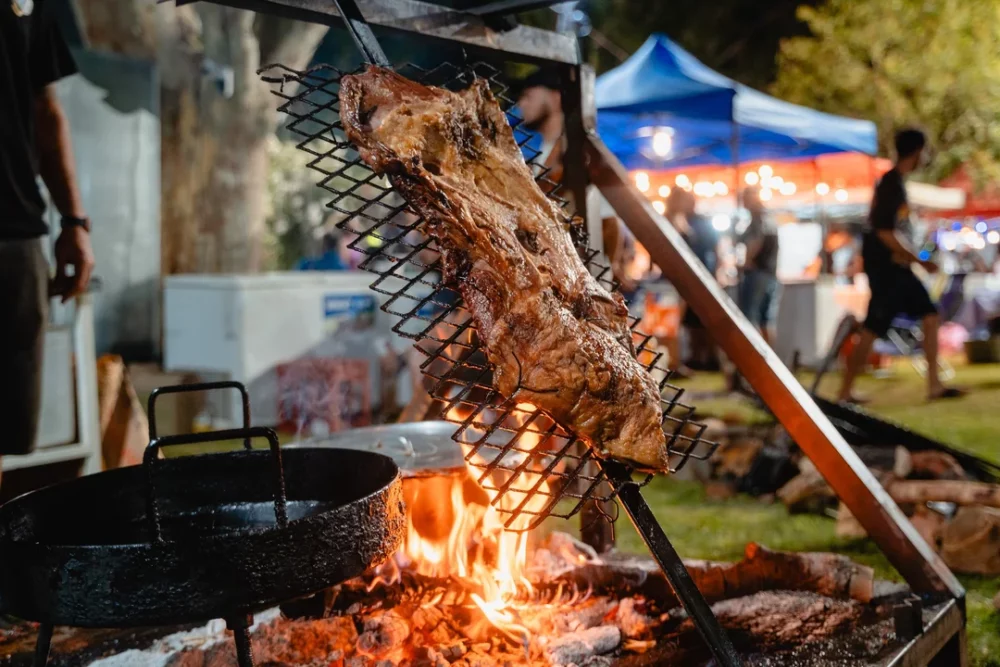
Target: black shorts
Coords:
[(895, 291), (24, 302)]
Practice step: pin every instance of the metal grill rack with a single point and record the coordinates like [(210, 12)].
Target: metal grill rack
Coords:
[(534, 468)]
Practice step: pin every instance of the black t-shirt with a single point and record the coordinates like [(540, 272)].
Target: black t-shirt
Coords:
[(763, 228), (889, 211), (703, 239), (32, 55)]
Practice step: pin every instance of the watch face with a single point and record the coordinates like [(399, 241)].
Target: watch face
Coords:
[(22, 7)]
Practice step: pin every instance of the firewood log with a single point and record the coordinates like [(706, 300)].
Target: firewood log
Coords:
[(958, 492), (970, 542), (827, 574)]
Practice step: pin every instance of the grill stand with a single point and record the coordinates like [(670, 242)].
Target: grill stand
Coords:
[(853, 483)]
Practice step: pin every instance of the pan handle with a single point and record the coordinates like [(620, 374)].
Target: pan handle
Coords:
[(149, 463), (198, 386)]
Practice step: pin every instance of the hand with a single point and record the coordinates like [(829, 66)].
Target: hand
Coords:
[(72, 249), (929, 266)]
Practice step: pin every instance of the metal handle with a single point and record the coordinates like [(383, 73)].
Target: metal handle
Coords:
[(670, 562), (149, 459), (198, 386), (361, 33)]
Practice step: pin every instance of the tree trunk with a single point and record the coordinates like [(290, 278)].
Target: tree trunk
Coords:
[(214, 148)]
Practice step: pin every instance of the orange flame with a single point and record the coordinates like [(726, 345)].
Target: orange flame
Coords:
[(489, 559)]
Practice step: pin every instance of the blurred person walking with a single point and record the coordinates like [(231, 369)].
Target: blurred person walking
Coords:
[(888, 256), (759, 290), (34, 141), (699, 234)]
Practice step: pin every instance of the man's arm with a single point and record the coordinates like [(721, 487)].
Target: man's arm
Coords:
[(899, 248), (55, 155)]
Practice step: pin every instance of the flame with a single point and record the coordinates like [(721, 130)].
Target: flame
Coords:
[(489, 560)]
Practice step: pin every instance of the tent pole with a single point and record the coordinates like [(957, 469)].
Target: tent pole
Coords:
[(734, 149)]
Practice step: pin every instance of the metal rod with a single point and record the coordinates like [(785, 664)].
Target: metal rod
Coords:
[(240, 625), (673, 567), (361, 32), (429, 21), (506, 7), (853, 483), (42, 644)]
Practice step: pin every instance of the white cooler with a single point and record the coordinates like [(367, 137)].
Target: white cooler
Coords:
[(249, 327)]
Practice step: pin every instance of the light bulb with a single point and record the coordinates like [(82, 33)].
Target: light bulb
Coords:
[(765, 194), (822, 189), (993, 237), (659, 207), (721, 189), (752, 178), (721, 222), (787, 189), (664, 190), (663, 143), (765, 171), (682, 181), (840, 195), (642, 181)]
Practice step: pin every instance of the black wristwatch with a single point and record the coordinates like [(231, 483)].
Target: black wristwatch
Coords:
[(70, 221)]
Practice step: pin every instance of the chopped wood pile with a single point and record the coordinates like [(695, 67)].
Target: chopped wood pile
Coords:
[(957, 515), (940, 489)]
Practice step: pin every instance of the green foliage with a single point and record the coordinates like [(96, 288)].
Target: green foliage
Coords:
[(932, 63), (297, 207)]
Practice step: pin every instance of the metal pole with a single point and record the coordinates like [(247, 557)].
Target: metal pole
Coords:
[(673, 567), (773, 382)]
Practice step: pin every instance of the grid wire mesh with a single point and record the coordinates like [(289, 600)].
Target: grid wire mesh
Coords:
[(531, 466)]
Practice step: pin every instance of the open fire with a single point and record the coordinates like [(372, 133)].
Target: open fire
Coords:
[(456, 532)]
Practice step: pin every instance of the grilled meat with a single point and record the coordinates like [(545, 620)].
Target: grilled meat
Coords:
[(558, 340)]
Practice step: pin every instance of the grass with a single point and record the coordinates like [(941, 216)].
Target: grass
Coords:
[(701, 527)]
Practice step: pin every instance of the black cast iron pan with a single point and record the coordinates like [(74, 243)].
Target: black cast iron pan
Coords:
[(197, 537)]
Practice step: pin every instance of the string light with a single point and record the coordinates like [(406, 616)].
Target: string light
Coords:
[(704, 189), (993, 237), (752, 178), (787, 189), (775, 182), (840, 195), (765, 194), (663, 143), (721, 189), (765, 171), (981, 227), (664, 191), (822, 189), (683, 182), (721, 222), (659, 207), (642, 181)]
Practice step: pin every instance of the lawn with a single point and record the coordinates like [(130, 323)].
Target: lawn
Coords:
[(712, 529)]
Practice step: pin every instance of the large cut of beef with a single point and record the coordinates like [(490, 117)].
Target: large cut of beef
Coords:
[(557, 339)]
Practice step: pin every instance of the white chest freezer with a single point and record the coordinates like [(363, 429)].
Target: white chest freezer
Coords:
[(287, 336)]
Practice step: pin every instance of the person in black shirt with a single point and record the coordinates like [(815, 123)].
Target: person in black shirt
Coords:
[(697, 230), (34, 141), (888, 256), (759, 290)]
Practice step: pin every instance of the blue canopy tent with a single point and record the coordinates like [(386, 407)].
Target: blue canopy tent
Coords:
[(699, 116)]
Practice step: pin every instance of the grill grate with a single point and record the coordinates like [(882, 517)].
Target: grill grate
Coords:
[(533, 468)]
